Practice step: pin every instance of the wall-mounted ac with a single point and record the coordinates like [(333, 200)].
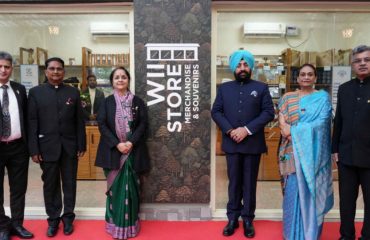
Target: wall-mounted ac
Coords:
[(109, 29), (264, 30)]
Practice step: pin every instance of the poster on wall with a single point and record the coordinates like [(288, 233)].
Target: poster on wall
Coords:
[(172, 75), (341, 74), (29, 75)]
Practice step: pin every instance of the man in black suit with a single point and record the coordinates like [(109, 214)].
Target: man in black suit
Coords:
[(94, 98), (56, 139), (351, 144), (241, 109), (13, 149)]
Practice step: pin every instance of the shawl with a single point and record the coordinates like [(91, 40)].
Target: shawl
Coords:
[(122, 119)]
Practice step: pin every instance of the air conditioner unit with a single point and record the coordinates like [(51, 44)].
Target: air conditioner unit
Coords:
[(264, 30), (109, 29)]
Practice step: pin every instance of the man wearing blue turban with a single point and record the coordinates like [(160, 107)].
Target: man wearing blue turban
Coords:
[(241, 110)]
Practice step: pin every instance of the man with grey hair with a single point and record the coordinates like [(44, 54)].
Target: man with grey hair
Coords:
[(351, 144), (13, 150)]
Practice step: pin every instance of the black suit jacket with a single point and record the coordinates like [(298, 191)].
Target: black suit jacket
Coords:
[(351, 133), (55, 121), (108, 155), (99, 98), (20, 93)]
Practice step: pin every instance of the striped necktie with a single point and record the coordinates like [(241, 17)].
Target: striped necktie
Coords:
[(6, 115)]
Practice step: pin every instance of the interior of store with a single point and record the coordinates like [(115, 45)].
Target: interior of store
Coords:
[(321, 38)]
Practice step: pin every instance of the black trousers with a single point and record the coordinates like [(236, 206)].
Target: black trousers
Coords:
[(242, 170), (53, 174), (350, 179), (14, 157)]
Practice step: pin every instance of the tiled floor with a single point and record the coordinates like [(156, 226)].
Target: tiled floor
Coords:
[(91, 194), (268, 192)]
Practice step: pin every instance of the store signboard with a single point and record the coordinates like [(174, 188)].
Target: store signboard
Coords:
[(341, 74), (29, 75), (172, 75)]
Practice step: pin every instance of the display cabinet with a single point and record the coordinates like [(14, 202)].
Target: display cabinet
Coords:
[(86, 164), (101, 64)]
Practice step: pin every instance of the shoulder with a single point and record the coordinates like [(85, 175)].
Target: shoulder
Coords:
[(258, 84), (36, 88), (110, 100), (137, 99), (71, 89), (290, 94), (18, 86), (347, 84)]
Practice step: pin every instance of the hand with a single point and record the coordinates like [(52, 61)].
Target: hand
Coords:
[(334, 157), (285, 130), (239, 134), (125, 147), (334, 162), (80, 153), (36, 158)]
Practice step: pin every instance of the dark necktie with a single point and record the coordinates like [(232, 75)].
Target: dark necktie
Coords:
[(6, 115)]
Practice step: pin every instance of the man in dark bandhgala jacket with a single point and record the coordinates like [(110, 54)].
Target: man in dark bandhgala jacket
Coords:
[(13, 150), (351, 144), (241, 109), (56, 139)]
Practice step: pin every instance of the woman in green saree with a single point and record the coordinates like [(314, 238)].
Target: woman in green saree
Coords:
[(122, 153)]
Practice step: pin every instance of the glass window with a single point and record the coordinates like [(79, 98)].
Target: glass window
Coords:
[(281, 42), (88, 43)]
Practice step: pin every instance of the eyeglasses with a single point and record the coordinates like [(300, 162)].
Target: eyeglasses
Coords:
[(359, 60), (53, 69)]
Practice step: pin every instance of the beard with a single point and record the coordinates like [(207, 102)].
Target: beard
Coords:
[(243, 76)]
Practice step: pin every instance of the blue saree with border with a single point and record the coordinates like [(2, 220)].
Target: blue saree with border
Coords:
[(309, 193)]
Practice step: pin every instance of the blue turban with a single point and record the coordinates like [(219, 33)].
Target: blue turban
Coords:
[(237, 56)]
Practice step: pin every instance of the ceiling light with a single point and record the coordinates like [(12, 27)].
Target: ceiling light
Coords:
[(53, 30), (347, 33)]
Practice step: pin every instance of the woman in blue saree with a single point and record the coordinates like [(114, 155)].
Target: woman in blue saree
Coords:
[(305, 158), (122, 152)]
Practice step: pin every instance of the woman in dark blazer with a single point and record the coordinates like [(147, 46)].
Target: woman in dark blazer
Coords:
[(122, 153)]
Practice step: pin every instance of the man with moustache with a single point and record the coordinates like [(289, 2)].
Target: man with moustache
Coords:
[(13, 150), (56, 139), (351, 144), (95, 96), (241, 109)]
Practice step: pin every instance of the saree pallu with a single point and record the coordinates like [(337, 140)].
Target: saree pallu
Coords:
[(309, 193), (122, 205)]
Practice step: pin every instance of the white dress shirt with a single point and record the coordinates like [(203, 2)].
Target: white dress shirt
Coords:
[(92, 92), (15, 122)]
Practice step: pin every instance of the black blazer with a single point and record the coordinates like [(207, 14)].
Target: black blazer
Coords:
[(20, 94), (55, 121), (108, 155), (351, 133)]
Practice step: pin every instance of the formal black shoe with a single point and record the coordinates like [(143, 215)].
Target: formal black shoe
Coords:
[(346, 238), (248, 229), (230, 228), (52, 231), (68, 228), (21, 232), (4, 235)]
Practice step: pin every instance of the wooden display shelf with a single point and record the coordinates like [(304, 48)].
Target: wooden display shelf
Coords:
[(86, 164)]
